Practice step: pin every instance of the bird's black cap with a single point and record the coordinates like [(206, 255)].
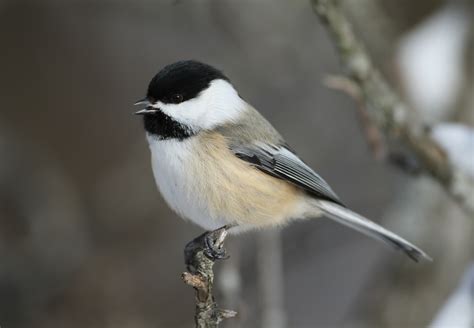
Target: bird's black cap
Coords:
[(182, 81)]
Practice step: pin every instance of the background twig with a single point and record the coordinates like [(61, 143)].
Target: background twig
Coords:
[(386, 109), (372, 134), (271, 280)]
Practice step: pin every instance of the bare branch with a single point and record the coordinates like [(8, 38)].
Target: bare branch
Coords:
[(388, 112), (201, 278), (372, 133)]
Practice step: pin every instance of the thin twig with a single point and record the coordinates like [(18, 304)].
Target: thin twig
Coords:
[(200, 276), (271, 280), (372, 133)]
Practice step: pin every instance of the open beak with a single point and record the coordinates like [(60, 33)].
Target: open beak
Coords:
[(143, 101), (147, 110)]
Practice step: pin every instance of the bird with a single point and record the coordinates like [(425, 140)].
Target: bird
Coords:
[(219, 163)]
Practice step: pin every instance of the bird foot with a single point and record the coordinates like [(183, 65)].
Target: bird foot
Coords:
[(211, 243)]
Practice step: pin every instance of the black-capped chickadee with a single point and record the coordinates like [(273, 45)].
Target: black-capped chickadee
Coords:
[(218, 162)]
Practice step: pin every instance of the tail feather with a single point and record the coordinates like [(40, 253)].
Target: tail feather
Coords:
[(371, 229)]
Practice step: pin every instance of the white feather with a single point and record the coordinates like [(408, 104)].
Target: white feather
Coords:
[(170, 161), (218, 104)]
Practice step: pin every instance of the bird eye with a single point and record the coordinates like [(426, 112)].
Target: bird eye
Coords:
[(177, 98)]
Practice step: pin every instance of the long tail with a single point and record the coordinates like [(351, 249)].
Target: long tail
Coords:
[(358, 222)]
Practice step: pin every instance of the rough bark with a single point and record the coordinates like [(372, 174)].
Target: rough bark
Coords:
[(200, 276)]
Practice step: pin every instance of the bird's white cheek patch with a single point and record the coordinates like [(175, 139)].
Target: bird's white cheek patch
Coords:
[(218, 104)]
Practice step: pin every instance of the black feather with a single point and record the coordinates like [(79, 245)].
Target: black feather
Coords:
[(175, 83), (186, 78)]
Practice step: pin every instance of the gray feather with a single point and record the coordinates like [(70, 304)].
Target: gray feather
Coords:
[(254, 140), (371, 229), (280, 162)]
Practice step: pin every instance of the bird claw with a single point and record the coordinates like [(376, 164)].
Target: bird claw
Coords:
[(214, 244), (211, 243)]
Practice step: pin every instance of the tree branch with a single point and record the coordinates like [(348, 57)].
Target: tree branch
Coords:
[(372, 133), (388, 112), (201, 278)]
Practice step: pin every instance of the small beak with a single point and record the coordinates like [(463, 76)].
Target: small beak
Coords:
[(143, 101), (147, 110)]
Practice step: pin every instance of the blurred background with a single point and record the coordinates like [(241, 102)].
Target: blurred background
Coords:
[(87, 241)]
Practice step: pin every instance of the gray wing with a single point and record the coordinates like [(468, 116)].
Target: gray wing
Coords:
[(281, 162), (253, 139)]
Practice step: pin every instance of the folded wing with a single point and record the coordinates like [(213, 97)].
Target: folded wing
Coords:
[(281, 162)]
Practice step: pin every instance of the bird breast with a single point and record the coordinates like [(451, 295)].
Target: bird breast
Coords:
[(203, 181)]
